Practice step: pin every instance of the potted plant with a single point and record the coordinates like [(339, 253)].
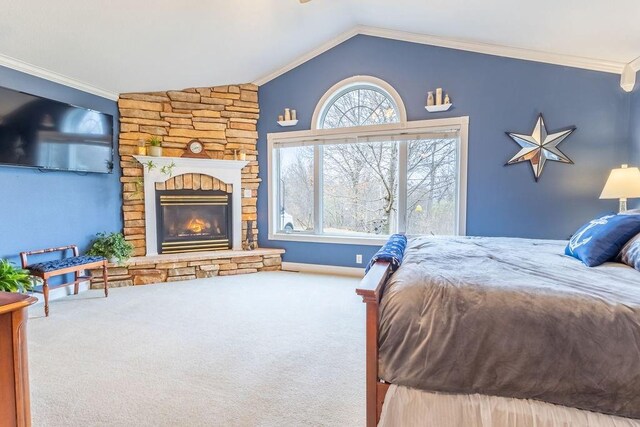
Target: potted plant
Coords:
[(14, 279), (112, 246), (155, 146)]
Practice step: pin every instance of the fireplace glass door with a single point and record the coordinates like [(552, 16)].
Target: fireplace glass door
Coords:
[(193, 220)]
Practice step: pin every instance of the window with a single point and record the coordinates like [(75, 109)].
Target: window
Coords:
[(359, 196), (359, 105), (295, 189), (365, 172), (432, 175)]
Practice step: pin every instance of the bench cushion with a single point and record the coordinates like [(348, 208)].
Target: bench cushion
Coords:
[(45, 267)]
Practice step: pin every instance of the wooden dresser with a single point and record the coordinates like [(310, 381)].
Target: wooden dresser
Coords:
[(14, 375)]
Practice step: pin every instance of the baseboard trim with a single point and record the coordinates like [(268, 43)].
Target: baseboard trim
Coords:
[(323, 269)]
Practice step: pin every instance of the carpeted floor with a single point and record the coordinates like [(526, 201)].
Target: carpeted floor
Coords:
[(265, 349)]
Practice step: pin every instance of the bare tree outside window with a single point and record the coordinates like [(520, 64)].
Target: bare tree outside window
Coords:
[(296, 189), (363, 196), (360, 188), (432, 171), (359, 106)]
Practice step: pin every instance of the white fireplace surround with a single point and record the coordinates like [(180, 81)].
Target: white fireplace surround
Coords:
[(227, 171)]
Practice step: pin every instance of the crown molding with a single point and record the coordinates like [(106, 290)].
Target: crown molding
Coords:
[(497, 50), (628, 78), (452, 43), (635, 64), (34, 70), (629, 73), (307, 56)]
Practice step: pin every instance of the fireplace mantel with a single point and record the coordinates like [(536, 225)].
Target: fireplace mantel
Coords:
[(228, 171)]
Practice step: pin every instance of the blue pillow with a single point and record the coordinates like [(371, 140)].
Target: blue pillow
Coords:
[(392, 252), (600, 240)]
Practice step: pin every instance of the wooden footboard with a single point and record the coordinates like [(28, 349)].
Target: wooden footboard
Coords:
[(371, 289)]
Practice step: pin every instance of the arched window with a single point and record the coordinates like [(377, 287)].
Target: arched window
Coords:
[(359, 105), (364, 172), (359, 101)]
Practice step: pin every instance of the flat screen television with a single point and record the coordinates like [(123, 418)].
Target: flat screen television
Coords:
[(46, 134)]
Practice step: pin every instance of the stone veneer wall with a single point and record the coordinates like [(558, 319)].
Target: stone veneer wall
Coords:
[(143, 272), (223, 118)]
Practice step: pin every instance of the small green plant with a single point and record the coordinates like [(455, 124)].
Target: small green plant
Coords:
[(111, 246), (139, 183), (155, 141), (14, 279), (150, 165), (168, 169)]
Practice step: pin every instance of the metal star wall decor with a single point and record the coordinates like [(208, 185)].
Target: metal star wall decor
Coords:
[(539, 147)]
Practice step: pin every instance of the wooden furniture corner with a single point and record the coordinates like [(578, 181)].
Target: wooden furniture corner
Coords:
[(75, 269), (371, 289), (15, 409)]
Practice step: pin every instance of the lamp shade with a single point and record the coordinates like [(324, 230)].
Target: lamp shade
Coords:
[(622, 183)]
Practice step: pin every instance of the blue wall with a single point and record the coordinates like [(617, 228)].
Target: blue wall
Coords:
[(47, 209), (498, 94)]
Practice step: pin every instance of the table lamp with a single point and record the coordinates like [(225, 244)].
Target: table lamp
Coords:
[(623, 183)]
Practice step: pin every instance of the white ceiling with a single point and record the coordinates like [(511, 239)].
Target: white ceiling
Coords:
[(145, 45)]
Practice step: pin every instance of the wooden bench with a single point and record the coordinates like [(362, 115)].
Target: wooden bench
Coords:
[(75, 264)]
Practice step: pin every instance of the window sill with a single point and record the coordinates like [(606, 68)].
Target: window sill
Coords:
[(315, 238)]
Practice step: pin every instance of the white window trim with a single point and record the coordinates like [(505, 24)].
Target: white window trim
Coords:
[(461, 123), (357, 81)]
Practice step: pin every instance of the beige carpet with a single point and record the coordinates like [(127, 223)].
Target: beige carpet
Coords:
[(265, 349)]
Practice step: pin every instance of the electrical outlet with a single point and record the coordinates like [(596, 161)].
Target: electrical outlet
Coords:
[(247, 193), (359, 259)]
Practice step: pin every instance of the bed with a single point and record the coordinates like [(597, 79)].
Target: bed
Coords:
[(504, 318)]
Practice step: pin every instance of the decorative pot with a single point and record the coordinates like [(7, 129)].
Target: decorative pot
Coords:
[(155, 151)]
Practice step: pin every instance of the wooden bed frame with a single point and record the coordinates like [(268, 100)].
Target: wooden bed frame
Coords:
[(370, 289)]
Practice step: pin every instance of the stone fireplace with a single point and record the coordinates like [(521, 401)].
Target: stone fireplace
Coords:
[(197, 208), (224, 119), (171, 242)]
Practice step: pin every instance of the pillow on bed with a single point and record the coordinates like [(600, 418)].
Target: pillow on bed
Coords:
[(630, 253), (392, 252), (601, 239)]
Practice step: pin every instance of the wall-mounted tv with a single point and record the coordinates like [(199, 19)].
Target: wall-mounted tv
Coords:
[(46, 134)]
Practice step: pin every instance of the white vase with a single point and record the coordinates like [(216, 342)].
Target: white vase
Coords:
[(155, 151), (430, 99)]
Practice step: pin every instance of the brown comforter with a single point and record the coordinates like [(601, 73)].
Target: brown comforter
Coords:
[(516, 318)]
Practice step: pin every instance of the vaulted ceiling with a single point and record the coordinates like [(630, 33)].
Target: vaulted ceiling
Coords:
[(145, 45)]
